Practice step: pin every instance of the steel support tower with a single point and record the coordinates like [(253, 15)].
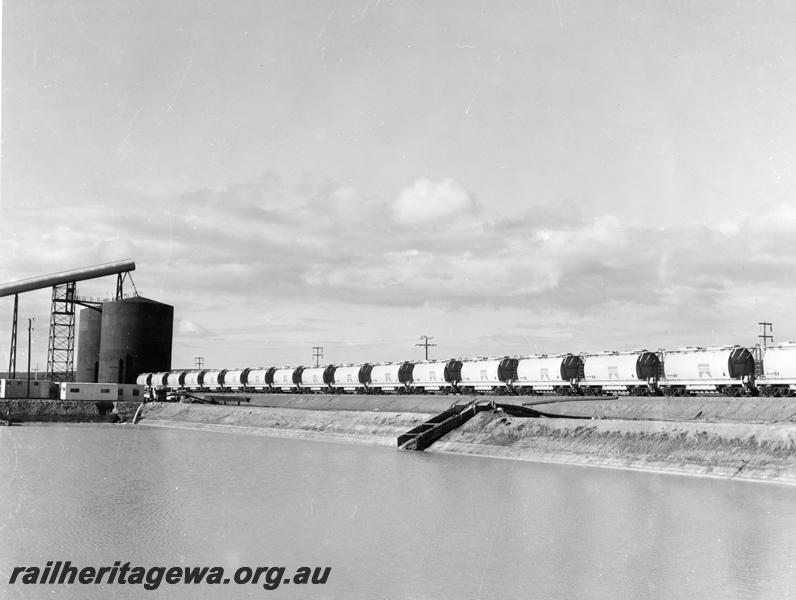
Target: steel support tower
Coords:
[(61, 348), (12, 355)]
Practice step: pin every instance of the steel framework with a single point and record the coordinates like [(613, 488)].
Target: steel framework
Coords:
[(61, 347), (120, 279), (12, 355)]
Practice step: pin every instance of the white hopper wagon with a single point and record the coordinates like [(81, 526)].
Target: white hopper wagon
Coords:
[(192, 380), (543, 373), (144, 379), (260, 379), (287, 379), (235, 379), (623, 372), (727, 370), (436, 375), (779, 370), (488, 374), (158, 380), (175, 380), (391, 377), (352, 378), (317, 379), (212, 380)]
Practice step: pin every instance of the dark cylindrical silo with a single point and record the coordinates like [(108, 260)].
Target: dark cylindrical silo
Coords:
[(136, 338), (88, 344)]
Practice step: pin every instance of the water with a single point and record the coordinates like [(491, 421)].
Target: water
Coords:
[(390, 524)]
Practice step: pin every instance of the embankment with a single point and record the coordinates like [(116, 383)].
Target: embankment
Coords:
[(70, 411), (364, 427), (732, 450), (750, 439), (357, 402), (697, 408)]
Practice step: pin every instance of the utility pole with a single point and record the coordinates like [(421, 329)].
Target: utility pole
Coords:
[(317, 354), (198, 362), (425, 343), (30, 328), (763, 336)]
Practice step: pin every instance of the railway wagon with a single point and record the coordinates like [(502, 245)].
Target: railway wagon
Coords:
[(495, 374), (635, 373), (545, 374), (287, 379), (144, 379), (728, 370), (436, 375), (260, 379), (175, 380), (391, 377), (352, 378), (212, 379), (192, 380), (158, 380), (235, 379), (317, 379), (779, 370)]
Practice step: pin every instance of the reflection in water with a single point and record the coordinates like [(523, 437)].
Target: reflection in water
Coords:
[(390, 524)]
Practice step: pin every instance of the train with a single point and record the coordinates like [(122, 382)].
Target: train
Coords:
[(726, 370)]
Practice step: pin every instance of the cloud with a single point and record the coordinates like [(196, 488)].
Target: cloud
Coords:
[(116, 249), (434, 205), (243, 250), (187, 328)]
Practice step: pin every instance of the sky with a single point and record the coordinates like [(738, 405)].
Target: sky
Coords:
[(507, 177)]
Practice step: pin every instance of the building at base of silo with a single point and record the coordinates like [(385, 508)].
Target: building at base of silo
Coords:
[(136, 337)]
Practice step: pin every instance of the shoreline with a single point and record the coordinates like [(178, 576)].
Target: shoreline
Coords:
[(288, 434), (661, 469), (730, 450), (356, 427)]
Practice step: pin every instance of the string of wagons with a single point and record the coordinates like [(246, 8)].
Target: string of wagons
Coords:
[(728, 370)]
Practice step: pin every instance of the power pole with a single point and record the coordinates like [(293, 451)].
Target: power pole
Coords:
[(765, 338), (198, 362), (317, 354), (425, 343)]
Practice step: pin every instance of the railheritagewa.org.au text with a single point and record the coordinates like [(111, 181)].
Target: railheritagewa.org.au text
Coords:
[(57, 572)]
